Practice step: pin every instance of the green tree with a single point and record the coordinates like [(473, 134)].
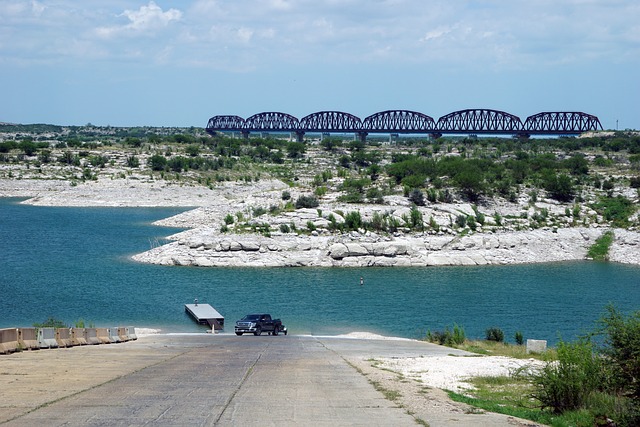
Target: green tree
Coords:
[(622, 348), (560, 187), (192, 150), (157, 162), (296, 150)]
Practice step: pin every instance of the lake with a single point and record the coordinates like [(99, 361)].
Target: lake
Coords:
[(74, 263)]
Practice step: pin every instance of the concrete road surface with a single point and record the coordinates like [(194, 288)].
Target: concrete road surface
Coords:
[(206, 380)]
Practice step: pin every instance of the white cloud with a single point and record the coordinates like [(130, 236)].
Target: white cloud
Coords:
[(262, 33), (147, 19)]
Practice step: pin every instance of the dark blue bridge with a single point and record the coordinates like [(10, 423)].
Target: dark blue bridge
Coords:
[(472, 121)]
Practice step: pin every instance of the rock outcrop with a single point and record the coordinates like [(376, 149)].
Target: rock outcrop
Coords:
[(209, 249)]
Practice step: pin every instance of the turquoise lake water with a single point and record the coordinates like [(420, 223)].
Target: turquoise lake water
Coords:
[(74, 263)]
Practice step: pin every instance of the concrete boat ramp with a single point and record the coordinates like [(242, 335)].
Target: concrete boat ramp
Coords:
[(204, 314), (224, 380)]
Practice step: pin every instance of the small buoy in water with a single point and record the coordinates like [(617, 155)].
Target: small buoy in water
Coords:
[(361, 281), (195, 301)]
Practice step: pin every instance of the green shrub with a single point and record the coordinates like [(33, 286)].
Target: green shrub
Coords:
[(622, 348), (461, 221), (157, 162), (519, 338), (286, 195), (51, 322), (416, 219), (133, 162), (353, 220), (307, 202), (494, 334), (258, 211), (284, 228), (447, 337), (228, 219), (565, 384), (416, 197), (615, 209)]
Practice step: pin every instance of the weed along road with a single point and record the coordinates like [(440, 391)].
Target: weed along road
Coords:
[(220, 379)]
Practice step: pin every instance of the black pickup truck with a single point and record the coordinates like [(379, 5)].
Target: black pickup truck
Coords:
[(259, 323)]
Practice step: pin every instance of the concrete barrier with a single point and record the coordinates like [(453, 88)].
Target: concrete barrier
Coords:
[(536, 346), (131, 331), (47, 338), (91, 336), (8, 340), (123, 334), (113, 335), (103, 335), (77, 336), (28, 339), (63, 337)]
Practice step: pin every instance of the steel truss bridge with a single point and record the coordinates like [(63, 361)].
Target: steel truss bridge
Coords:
[(471, 121)]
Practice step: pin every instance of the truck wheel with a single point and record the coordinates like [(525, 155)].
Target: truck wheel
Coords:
[(239, 334), (258, 331), (275, 330)]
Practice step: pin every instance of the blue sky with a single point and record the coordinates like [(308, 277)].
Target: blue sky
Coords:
[(163, 63)]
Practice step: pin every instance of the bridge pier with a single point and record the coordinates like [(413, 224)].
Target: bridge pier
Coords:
[(245, 134), (435, 135), (299, 136), (362, 136)]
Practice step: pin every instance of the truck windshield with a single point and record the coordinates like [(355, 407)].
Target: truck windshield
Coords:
[(251, 317)]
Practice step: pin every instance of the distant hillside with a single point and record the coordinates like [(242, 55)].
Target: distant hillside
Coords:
[(33, 128)]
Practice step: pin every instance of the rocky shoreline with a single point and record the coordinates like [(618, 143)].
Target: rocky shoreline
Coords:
[(204, 248), (204, 245)]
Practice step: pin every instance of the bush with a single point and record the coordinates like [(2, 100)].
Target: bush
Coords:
[(622, 349), (353, 220), (416, 197), (51, 322), (447, 337), (615, 209), (519, 338), (307, 202), (286, 195), (565, 384), (284, 228), (560, 187), (157, 162), (494, 334)]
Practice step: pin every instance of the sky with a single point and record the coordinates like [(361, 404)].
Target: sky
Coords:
[(178, 63)]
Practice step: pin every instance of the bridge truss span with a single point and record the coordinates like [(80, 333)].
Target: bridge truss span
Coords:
[(225, 123), (330, 121), (271, 121), (561, 122), (398, 121), (480, 121)]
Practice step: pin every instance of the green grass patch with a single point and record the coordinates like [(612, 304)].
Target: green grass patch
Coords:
[(494, 348), (599, 251), (510, 396)]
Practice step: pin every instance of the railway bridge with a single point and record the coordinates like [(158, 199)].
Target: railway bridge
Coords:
[(469, 121)]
